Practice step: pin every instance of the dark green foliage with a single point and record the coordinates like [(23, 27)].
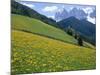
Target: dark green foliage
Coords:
[(80, 41), (69, 30), (86, 29), (73, 33), (76, 35)]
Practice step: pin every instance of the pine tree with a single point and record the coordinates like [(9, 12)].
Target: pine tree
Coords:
[(69, 30), (80, 41), (76, 35)]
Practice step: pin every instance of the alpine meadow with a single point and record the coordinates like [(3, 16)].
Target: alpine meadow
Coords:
[(46, 37)]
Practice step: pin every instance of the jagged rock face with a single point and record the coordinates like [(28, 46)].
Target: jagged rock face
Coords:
[(93, 14), (60, 15), (78, 13)]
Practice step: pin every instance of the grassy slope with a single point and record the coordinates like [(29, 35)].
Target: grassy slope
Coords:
[(34, 53), (35, 26)]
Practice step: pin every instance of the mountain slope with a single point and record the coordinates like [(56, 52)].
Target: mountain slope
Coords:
[(17, 8), (28, 50), (35, 26), (77, 13), (32, 25), (83, 27)]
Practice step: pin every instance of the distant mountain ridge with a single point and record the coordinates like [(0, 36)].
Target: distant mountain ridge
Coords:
[(78, 13), (83, 27)]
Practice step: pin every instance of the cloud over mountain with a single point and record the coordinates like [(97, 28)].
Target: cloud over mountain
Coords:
[(80, 13), (50, 9)]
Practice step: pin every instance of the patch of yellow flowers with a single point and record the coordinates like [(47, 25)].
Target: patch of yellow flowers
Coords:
[(33, 53)]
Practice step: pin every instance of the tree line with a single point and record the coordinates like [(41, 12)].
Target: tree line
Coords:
[(75, 34)]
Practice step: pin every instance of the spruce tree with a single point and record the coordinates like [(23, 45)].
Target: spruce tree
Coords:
[(80, 41)]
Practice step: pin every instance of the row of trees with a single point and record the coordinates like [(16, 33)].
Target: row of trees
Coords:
[(73, 33)]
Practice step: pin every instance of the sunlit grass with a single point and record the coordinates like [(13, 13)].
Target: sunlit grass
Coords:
[(33, 53), (35, 26)]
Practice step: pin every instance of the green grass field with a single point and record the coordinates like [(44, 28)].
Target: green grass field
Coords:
[(31, 25), (39, 47), (33, 53), (35, 26)]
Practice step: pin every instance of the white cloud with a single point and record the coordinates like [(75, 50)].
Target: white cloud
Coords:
[(88, 10), (50, 9), (51, 17), (69, 9), (29, 5), (93, 20)]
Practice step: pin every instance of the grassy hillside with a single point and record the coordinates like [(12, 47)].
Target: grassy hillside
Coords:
[(86, 29), (34, 53), (18, 8), (31, 25), (35, 26)]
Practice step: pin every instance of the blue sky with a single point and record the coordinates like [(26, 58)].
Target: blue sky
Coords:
[(49, 9)]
